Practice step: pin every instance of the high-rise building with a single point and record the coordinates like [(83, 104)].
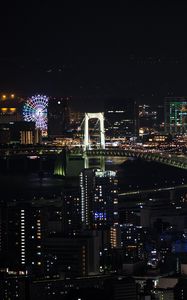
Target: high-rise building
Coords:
[(133, 241), (10, 108), (99, 198), (105, 200), (19, 132), (75, 256), (86, 186), (21, 229), (71, 213), (58, 116), (121, 118), (76, 119), (175, 115), (150, 117), (120, 288), (13, 287)]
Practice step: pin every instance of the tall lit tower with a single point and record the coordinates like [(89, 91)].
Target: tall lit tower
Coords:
[(175, 110), (86, 186), (22, 232), (105, 200), (99, 198)]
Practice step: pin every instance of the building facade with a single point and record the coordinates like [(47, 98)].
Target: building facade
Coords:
[(175, 110), (99, 198), (121, 118), (58, 116)]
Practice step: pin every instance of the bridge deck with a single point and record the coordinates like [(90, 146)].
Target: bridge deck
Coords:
[(174, 160)]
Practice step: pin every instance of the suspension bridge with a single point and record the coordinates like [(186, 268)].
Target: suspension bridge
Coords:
[(179, 161), (65, 157)]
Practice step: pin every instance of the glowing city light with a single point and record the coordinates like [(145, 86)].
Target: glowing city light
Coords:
[(35, 110)]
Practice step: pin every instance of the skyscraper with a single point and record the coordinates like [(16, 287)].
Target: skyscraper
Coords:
[(175, 115), (71, 217), (10, 108), (58, 116), (99, 198), (105, 200), (121, 116), (21, 230), (86, 187)]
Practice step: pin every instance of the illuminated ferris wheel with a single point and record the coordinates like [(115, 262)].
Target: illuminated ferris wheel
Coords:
[(35, 110)]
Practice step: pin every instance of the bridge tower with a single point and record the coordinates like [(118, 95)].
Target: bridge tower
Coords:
[(100, 117)]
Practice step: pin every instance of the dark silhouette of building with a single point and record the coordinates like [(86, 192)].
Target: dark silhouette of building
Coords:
[(121, 116), (10, 108), (58, 116), (120, 288), (21, 239), (75, 256), (180, 290), (20, 132)]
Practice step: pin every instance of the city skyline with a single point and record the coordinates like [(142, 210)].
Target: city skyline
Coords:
[(93, 150)]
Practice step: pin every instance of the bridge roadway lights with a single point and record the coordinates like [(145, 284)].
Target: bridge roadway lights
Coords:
[(153, 157)]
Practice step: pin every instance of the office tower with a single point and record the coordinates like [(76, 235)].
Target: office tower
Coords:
[(121, 118), (99, 198), (71, 213), (115, 236), (75, 256), (13, 287), (19, 132), (150, 117), (133, 241), (58, 116), (21, 238), (10, 108), (175, 110), (105, 200), (120, 288), (13, 129), (76, 119), (86, 186)]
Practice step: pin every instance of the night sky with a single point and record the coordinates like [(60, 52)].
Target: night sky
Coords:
[(136, 50)]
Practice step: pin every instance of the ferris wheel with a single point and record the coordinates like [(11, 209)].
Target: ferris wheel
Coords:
[(35, 110)]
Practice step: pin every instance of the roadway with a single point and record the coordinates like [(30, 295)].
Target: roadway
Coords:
[(164, 157), (154, 190)]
